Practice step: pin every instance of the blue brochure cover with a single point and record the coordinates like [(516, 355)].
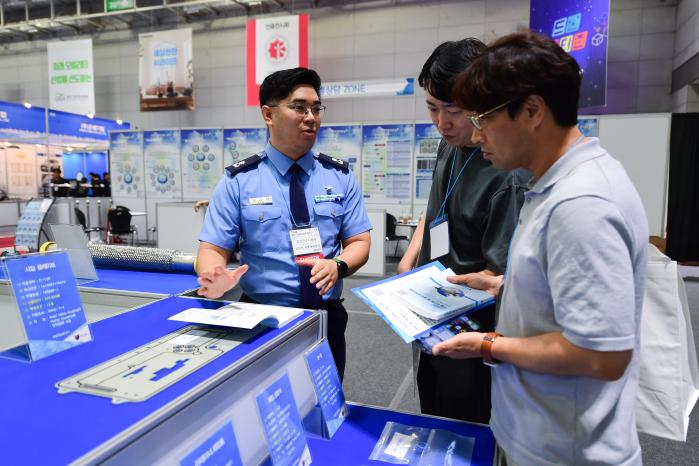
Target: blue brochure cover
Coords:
[(49, 303), (286, 439), (219, 449), (328, 387)]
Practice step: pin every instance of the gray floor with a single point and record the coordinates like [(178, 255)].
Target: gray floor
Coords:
[(380, 370)]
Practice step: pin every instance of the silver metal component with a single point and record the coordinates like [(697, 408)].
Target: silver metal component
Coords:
[(132, 257)]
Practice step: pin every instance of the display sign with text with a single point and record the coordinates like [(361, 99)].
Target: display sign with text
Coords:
[(328, 387), (241, 143), (71, 76), (161, 152), (427, 139), (118, 5), (202, 162), (342, 142), (126, 164), (219, 449), (387, 160)]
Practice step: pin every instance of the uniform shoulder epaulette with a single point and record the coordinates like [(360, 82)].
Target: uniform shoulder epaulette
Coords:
[(243, 164), (337, 163)]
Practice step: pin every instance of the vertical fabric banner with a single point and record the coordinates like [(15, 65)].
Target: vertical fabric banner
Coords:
[(201, 162), (71, 77), (126, 164), (165, 70), (274, 44), (581, 29)]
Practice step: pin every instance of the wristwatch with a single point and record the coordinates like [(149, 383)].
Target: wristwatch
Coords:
[(342, 267), (486, 346)]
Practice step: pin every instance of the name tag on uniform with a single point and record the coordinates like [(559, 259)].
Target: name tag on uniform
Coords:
[(439, 237), (306, 241), (328, 198), (266, 200)]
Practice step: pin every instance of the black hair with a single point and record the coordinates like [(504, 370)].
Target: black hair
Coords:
[(278, 85), (519, 65), (445, 63)]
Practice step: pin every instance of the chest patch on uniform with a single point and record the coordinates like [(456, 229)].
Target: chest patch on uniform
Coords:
[(265, 200)]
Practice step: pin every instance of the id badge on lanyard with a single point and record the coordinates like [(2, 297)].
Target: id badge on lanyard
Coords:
[(439, 237), (307, 245)]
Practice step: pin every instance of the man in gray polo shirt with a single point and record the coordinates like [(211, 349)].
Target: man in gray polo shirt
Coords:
[(566, 370)]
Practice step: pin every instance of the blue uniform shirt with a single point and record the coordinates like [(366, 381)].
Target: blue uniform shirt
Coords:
[(252, 206)]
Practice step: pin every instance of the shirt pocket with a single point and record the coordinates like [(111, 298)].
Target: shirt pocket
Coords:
[(329, 216), (263, 228)]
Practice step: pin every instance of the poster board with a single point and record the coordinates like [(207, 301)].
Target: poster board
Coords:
[(387, 152)]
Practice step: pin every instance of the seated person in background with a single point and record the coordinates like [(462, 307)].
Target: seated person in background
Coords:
[(479, 205), (56, 177)]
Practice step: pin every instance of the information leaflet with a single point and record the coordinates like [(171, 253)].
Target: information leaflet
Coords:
[(286, 439), (426, 143), (387, 163), (342, 142), (241, 143), (328, 387), (48, 302), (219, 449), (202, 162)]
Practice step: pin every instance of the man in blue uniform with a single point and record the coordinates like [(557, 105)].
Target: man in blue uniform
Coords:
[(298, 216)]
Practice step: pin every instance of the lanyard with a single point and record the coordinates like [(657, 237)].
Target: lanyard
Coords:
[(450, 186)]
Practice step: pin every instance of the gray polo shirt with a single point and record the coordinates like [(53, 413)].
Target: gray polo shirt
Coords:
[(577, 266)]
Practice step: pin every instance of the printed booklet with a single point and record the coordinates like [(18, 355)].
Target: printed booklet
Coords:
[(240, 315)]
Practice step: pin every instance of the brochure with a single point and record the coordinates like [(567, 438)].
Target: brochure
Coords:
[(422, 305), (240, 315)]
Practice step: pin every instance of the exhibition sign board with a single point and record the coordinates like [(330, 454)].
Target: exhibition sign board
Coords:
[(342, 142), (282, 425), (21, 170), (427, 139), (66, 127), (582, 30), (161, 151), (201, 161), (19, 122), (368, 88), (387, 163), (274, 44), (165, 70), (220, 448), (49, 304), (118, 5), (71, 76), (126, 164), (328, 387), (241, 143)]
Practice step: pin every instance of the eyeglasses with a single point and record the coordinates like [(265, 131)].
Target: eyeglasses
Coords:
[(476, 120), (301, 110)]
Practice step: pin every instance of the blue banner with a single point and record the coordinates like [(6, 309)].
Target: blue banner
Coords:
[(80, 126), (581, 29), (241, 143), (219, 449), (18, 121), (161, 151), (202, 162), (281, 423), (342, 142), (49, 303), (126, 164), (387, 159), (427, 139), (327, 386)]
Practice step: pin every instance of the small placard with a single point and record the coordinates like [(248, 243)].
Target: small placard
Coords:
[(48, 302), (328, 387), (281, 423), (218, 449)]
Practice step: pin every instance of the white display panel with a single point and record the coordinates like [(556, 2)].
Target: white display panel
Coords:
[(161, 150), (427, 139), (201, 161), (387, 164), (126, 164), (241, 143), (342, 142), (21, 170)]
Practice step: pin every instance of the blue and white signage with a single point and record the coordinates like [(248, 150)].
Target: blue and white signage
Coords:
[(589, 126), (281, 423), (126, 164), (220, 449), (202, 162), (48, 302), (342, 142), (328, 387), (161, 151), (427, 139), (18, 121), (387, 159), (241, 143), (71, 125), (368, 88)]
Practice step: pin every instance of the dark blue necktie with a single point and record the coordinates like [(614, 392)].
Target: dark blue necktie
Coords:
[(299, 210)]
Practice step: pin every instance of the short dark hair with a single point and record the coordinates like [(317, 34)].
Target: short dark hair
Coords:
[(278, 85), (519, 65), (445, 63)]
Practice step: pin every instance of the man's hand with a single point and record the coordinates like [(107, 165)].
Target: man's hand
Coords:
[(214, 283), (324, 275), (200, 204), (480, 281), (462, 346)]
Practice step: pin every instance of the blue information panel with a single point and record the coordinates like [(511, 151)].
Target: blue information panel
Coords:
[(49, 303), (220, 449), (328, 387), (282, 425), (342, 142), (427, 139), (241, 143)]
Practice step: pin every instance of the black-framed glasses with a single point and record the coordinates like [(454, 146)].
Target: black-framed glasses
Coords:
[(476, 120), (316, 110)]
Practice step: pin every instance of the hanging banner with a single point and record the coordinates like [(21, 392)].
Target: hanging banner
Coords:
[(274, 44), (19, 122), (71, 77), (66, 128), (581, 29), (342, 142), (202, 162), (387, 160), (241, 143), (165, 70), (370, 88), (427, 139), (161, 152), (126, 164)]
